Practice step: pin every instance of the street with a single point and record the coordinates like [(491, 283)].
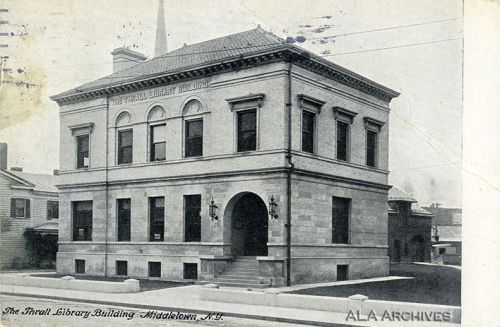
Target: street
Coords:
[(25, 311)]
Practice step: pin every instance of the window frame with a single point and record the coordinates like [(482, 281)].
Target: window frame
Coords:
[(150, 265), (242, 103), (118, 201), (343, 116), (347, 141), (373, 125), (50, 210), (121, 262), (83, 166), (313, 133), (237, 113), (348, 207), (186, 225), (151, 128), (119, 148), (150, 220), (73, 225), (77, 262), (375, 150), (82, 130), (185, 135), (312, 106), (26, 208)]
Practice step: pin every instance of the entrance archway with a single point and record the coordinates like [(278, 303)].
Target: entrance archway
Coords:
[(249, 226)]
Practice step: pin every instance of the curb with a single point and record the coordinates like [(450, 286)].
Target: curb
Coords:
[(163, 308)]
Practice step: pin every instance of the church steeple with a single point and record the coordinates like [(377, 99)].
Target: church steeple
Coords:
[(161, 34)]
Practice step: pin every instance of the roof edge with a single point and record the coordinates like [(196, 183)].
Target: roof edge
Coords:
[(283, 51)]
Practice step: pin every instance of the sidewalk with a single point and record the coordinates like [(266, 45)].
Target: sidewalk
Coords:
[(186, 298)]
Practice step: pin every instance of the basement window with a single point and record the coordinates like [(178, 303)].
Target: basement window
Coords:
[(342, 272), (121, 268), (154, 269), (79, 266), (190, 271)]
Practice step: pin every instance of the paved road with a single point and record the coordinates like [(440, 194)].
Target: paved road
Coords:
[(41, 312)]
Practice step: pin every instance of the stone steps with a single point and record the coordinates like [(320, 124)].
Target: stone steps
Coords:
[(243, 272)]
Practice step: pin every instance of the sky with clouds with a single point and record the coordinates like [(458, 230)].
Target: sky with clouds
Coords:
[(414, 47)]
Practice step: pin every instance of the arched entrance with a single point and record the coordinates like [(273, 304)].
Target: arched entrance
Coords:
[(417, 249), (249, 220)]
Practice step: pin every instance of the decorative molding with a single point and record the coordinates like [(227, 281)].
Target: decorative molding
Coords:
[(311, 103), (251, 100), (339, 111), (299, 57), (124, 119), (372, 122), (81, 128)]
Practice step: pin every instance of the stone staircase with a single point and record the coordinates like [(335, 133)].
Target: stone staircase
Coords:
[(243, 272)]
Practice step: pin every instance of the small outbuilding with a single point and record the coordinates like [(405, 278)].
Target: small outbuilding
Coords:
[(410, 226)]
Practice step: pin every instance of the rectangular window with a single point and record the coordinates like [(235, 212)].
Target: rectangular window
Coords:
[(79, 266), (192, 227), (82, 221), (154, 269), (125, 139), (123, 208), (20, 208), (190, 271), (342, 140), (156, 219), (247, 130), (340, 220), (158, 142), (194, 138), (342, 272), (371, 148), (121, 268), (82, 151), (52, 209), (308, 131)]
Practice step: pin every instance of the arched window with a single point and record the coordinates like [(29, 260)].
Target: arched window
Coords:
[(193, 127), (156, 113), (193, 107), (123, 119), (124, 138), (157, 134)]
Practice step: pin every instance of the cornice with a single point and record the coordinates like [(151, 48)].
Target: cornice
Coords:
[(257, 98), (343, 111), (373, 122), (308, 101), (298, 56)]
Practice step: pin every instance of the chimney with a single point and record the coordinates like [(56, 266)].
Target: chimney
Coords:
[(55, 172), (16, 168), (3, 156), (125, 58)]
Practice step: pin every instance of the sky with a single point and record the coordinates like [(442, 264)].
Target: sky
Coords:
[(414, 47)]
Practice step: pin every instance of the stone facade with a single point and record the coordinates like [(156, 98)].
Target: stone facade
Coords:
[(224, 175)]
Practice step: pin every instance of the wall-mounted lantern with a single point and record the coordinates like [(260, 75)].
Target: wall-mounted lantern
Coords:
[(272, 208), (212, 210)]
